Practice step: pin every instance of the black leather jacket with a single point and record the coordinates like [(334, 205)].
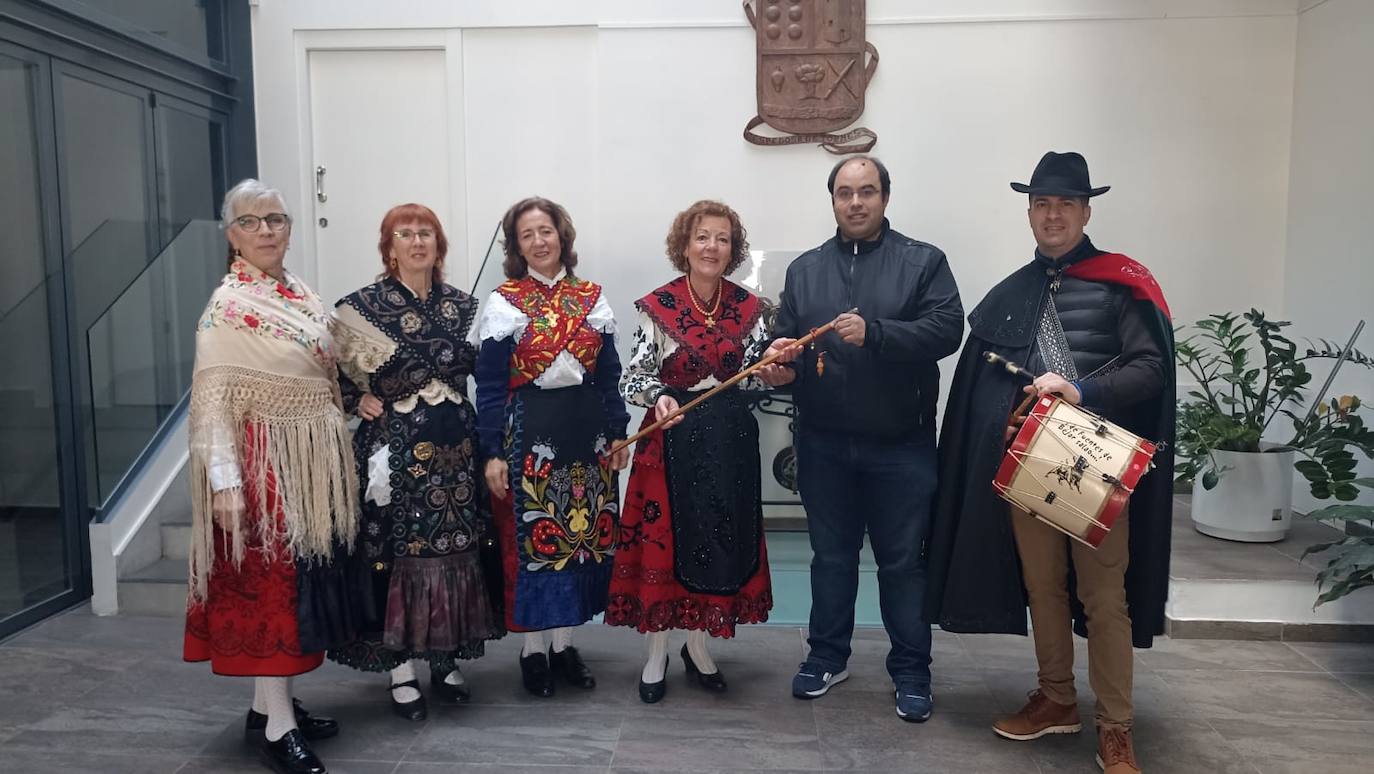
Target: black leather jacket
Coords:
[(906, 294)]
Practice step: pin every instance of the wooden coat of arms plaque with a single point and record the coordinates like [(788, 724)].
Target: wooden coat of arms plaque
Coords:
[(813, 67)]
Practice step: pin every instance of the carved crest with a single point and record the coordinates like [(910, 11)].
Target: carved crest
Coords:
[(812, 69)]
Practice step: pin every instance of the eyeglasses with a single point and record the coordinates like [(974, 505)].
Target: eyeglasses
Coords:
[(866, 193), (406, 235), (276, 221)]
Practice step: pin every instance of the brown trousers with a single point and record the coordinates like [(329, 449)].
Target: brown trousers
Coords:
[(1101, 586)]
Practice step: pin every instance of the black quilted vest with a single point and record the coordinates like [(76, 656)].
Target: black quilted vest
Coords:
[(1090, 313)]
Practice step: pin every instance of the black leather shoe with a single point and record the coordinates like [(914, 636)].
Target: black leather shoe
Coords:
[(534, 670), (448, 693), (291, 755), (415, 710), (568, 664), (714, 682), (652, 693), (313, 727)]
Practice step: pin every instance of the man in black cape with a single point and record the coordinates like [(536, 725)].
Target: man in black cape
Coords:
[(1096, 327)]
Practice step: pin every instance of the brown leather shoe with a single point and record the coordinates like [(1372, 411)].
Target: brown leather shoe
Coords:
[(1115, 753), (1040, 716)]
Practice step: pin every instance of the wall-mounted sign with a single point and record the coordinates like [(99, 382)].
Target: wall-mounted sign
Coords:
[(813, 67)]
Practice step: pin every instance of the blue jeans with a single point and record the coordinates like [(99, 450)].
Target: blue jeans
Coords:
[(848, 484)]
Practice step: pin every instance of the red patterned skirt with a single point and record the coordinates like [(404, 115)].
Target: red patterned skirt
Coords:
[(249, 623), (645, 592)]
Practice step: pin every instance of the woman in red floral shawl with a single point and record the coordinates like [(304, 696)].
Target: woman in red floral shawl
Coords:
[(691, 552)]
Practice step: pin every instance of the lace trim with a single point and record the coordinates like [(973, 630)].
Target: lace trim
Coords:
[(500, 319)]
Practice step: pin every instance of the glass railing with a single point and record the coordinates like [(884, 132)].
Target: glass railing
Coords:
[(140, 350)]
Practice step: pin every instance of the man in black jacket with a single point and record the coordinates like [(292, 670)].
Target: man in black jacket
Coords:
[(865, 396)]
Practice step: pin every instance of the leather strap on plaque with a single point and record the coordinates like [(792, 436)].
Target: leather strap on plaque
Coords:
[(864, 138)]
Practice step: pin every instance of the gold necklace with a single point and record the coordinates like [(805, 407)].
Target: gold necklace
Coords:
[(710, 316)]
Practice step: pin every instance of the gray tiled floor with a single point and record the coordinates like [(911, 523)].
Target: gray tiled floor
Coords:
[(81, 693)]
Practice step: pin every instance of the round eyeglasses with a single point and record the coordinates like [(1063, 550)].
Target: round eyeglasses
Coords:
[(276, 221)]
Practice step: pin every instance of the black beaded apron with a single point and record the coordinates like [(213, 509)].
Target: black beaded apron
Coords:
[(711, 462)]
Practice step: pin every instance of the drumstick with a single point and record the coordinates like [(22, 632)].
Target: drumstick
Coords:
[(802, 342), (1011, 368)]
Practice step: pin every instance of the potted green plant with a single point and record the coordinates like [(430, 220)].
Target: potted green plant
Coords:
[(1247, 375)]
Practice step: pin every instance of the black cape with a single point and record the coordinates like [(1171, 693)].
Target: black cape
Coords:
[(975, 581)]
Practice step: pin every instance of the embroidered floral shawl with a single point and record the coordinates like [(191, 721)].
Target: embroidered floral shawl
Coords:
[(558, 321), (265, 366)]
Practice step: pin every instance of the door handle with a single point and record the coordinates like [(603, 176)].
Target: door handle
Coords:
[(320, 195)]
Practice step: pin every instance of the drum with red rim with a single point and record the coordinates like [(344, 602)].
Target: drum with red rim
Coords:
[(1072, 469)]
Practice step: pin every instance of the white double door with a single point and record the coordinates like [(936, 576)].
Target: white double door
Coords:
[(380, 135)]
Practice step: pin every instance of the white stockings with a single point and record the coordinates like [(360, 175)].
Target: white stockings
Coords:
[(273, 694)]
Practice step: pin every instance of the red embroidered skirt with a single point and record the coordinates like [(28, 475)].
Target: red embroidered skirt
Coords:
[(248, 624), (644, 591)]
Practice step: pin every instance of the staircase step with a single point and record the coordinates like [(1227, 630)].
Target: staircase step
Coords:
[(176, 540), (158, 589)]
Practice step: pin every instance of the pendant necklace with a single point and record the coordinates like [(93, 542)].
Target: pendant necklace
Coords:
[(708, 314)]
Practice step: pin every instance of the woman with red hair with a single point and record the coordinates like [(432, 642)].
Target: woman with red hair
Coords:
[(405, 347)]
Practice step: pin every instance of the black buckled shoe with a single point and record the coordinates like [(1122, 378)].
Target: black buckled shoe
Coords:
[(568, 664), (713, 682), (291, 755), (449, 693), (313, 727), (652, 693), (415, 710), (534, 671)]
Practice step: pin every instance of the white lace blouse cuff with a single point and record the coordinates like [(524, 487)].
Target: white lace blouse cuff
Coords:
[(379, 477), (500, 319), (601, 318)]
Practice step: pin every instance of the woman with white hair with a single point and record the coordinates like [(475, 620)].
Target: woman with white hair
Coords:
[(274, 491)]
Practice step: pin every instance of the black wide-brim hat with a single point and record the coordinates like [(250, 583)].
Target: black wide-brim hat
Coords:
[(1060, 174)]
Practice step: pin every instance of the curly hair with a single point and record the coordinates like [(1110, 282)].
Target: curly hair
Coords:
[(687, 220), (515, 265)]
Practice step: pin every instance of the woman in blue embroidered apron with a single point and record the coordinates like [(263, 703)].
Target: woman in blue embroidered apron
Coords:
[(548, 412), (405, 354)]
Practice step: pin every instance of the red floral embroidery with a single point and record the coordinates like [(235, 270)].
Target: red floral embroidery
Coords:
[(557, 323), (288, 293), (250, 321)]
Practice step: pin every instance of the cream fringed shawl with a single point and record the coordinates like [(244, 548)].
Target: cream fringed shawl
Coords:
[(265, 366)]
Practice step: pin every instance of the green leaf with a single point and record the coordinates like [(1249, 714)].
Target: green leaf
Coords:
[(1308, 467), (1342, 513), (1346, 493), (1209, 480)]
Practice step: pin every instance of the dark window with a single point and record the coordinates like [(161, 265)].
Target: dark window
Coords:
[(194, 26)]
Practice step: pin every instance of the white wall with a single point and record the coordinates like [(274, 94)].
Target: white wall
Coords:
[(1329, 270), (629, 111)]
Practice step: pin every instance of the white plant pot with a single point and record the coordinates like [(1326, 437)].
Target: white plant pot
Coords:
[(1253, 501)]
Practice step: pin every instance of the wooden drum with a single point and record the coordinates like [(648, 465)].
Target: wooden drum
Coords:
[(1072, 469)]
